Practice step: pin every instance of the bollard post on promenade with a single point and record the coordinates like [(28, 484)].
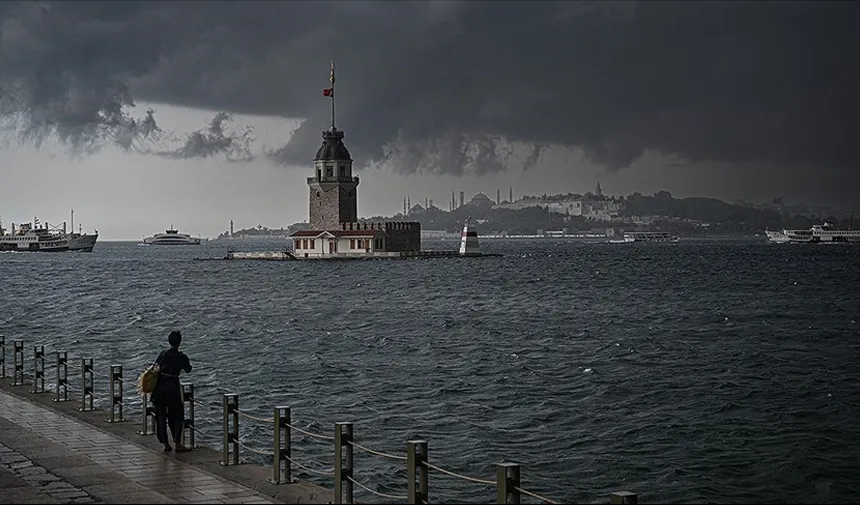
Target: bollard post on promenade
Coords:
[(115, 379), (38, 369), (18, 363), (148, 418), (623, 497), (2, 356), (416, 472), (230, 454), (507, 483), (87, 385), (62, 376), (343, 463), (188, 427), (281, 461)]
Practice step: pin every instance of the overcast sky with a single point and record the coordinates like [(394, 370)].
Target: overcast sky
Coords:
[(107, 107)]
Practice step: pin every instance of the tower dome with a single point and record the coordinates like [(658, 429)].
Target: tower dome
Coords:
[(332, 147)]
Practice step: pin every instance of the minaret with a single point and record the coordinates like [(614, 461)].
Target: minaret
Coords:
[(333, 189), (231, 228)]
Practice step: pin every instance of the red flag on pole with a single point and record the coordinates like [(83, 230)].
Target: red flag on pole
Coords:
[(328, 92)]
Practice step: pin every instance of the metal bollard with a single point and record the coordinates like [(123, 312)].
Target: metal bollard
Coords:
[(148, 417), (188, 397), (87, 383), (231, 435), (282, 447), (2, 356), (115, 379), (621, 497), (416, 472), (18, 363), (342, 463), (507, 482), (62, 376), (38, 369)]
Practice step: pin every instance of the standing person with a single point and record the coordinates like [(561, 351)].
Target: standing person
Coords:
[(167, 396)]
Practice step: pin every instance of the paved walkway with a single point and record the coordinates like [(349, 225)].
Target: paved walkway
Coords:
[(47, 457)]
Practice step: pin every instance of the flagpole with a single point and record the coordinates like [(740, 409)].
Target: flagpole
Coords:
[(331, 79)]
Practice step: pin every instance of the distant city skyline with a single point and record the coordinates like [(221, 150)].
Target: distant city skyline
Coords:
[(129, 196)]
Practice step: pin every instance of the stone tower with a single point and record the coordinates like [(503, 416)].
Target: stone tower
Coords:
[(333, 188), (598, 191)]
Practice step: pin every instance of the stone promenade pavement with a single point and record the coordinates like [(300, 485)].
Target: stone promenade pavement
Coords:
[(49, 457)]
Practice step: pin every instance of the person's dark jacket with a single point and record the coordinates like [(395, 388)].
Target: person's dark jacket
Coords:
[(167, 388)]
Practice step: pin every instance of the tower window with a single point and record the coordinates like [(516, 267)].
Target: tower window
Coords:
[(343, 171), (319, 173), (328, 172)]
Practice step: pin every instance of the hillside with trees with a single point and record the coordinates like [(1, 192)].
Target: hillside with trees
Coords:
[(661, 211)]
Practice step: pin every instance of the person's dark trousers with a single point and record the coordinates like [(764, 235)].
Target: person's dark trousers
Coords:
[(161, 423), (175, 415)]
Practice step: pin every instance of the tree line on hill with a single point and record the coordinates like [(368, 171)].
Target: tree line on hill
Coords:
[(683, 216)]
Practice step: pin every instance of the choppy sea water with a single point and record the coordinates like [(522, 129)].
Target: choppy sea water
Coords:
[(702, 371)]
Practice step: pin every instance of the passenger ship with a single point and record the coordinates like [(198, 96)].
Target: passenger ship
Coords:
[(647, 236), (827, 233), (171, 237), (36, 236), (30, 237)]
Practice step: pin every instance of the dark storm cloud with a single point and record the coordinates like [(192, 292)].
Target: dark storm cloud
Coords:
[(447, 87), (211, 141)]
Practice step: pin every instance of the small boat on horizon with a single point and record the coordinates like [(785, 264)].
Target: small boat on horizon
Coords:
[(645, 236)]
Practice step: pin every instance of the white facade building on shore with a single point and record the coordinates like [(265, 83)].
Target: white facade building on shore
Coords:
[(590, 208), (598, 210)]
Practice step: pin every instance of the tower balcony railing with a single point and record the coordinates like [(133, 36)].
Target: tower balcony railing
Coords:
[(334, 179)]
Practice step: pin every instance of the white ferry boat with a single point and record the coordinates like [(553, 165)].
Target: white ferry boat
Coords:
[(32, 237), (827, 233), (647, 236), (171, 237), (36, 236)]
